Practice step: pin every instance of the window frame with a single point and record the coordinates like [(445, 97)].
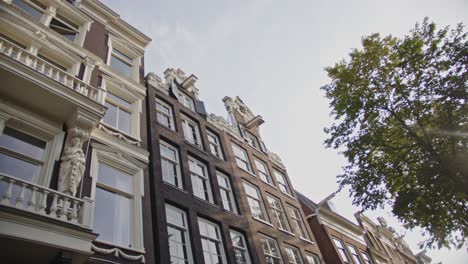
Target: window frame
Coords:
[(186, 123), (354, 256), (122, 47), (218, 240), (169, 116), (176, 162), (280, 177), (267, 175), (315, 258), (268, 254), (205, 178), (340, 248), (245, 249), (279, 213), (228, 189), (185, 230), (365, 257), (120, 107), (298, 222), (291, 249), (239, 159), (216, 145), (252, 140), (183, 98), (259, 200), (121, 161)]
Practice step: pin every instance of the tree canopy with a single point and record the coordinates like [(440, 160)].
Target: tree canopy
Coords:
[(401, 120)]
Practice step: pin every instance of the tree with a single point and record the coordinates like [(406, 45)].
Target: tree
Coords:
[(401, 120)]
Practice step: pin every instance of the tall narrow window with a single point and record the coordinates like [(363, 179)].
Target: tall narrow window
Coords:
[(312, 259), (34, 8), (178, 235), (215, 145), (354, 254), (282, 183), (200, 182), (165, 116), (294, 256), (242, 159), (257, 208), (227, 196), (212, 243), (271, 250), (240, 247), (121, 63), (278, 213), (263, 171), (365, 257), (118, 114), (113, 208), (341, 250), (186, 101), (252, 140), (191, 131), (170, 165), (64, 27), (297, 223)]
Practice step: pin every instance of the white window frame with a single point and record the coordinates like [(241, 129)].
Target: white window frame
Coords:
[(268, 254), (218, 240), (312, 258), (252, 140), (176, 162), (240, 159), (169, 115), (279, 213), (216, 145), (260, 201), (264, 174), (186, 123), (205, 178), (283, 183), (243, 249), (184, 229), (134, 98), (128, 50), (298, 222), (228, 190), (183, 98), (340, 248), (290, 250), (365, 257), (27, 122), (354, 254), (115, 158)]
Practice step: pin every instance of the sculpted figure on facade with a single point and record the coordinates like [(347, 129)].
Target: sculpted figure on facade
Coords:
[(73, 163)]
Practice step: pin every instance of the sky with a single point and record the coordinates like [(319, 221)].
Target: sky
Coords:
[(272, 54)]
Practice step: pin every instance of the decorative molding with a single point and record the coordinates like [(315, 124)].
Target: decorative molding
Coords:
[(238, 106), (118, 135), (118, 253)]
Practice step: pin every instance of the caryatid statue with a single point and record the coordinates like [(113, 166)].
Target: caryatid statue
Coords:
[(73, 163)]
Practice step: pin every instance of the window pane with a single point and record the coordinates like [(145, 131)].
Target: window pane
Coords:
[(121, 66), (22, 143), (18, 168), (119, 100), (179, 246), (112, 217), (115, 178), (110, 117), (63, 29), (312, 259), (36, 14), (125, 121)]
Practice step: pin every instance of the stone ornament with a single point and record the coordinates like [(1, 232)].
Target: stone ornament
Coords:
[(237, 105), (73, 162)]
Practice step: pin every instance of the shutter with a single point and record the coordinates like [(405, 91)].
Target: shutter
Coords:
[(263, 147), (200, 107)]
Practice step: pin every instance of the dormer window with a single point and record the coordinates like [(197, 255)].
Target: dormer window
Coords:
[(186, 101), (121, 63), (32, 7), (64, 27)]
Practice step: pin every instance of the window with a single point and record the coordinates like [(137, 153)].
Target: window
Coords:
[(341, 250), (312, 259), (270, 250), (121, 63), (178, 235), (257, 208), (282, 183), (252, 140), (240, 247), (200, 182), (227, 196), (170, 165), (186, 101), (354, 254), (212, 244), (263, 171), (215, 146), (293, 254), (33, 8), (278, 213), (64, 27), (365, 257), (165, 116), (191, 131), (113, 205), (297, 223), (118, 114), (242, 159)]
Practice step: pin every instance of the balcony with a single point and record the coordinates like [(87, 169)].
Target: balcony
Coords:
[(44, 88)]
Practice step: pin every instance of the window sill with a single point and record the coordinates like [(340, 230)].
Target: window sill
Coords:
[(232, 213), (269, 184), (110, 244), (251, 173), (175, 187), (263, 221), (205, 201), (167, 128), (288, 195), (199, 147), (287, 232), (116, 131), (307, 240)]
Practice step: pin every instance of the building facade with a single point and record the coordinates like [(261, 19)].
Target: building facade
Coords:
[(218, 195), (339, 240), (74, 183)]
